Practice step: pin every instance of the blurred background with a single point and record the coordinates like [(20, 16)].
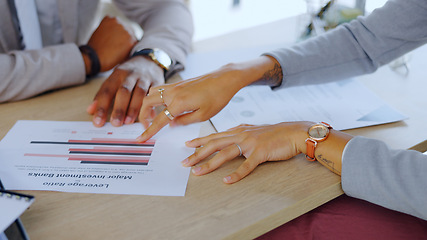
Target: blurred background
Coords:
[(217, 17)]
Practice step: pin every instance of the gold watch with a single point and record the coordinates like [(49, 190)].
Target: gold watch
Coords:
[(159, 56), (316, 133)]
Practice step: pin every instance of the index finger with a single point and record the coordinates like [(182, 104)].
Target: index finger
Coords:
[(150, 101), (158, 123), (105, 95)]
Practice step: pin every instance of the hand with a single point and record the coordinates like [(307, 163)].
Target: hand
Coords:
[(189, 101), (258, 144), (127, 85), (112, 41), (201, 98)]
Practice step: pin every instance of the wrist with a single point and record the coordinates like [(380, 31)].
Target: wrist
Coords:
[(246, 73), (87, 63), (269, 72), (302, 135), (91, 60)]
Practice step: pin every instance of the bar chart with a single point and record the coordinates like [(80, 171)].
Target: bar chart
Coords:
[(101, 151)]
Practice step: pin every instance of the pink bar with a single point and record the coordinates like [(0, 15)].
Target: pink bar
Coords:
[(107, 159), (127, 148), (110, 141), (44, 155), (92, 158), (121, 140)]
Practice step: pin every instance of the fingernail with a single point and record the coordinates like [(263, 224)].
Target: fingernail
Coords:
[(116, 122), (196, 170), (97, 120), (227, 179), (185, 162), (128, 120)]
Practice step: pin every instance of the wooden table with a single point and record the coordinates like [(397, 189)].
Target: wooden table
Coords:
[(272, 195)]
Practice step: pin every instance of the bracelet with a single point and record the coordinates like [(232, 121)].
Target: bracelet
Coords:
[(94, 60)]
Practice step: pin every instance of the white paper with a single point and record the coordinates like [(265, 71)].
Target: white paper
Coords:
[(11, 207), (344, 104), (202, 63), (38, 155)]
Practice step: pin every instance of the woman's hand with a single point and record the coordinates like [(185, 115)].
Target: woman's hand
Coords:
[(257, 143), (201, 98), (189, 101)]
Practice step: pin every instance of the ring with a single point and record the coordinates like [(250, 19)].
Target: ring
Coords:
[(240, 149), (161, 95), (168, 114)]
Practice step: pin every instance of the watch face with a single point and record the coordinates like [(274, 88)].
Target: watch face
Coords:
[(162, 58), (318, 132)]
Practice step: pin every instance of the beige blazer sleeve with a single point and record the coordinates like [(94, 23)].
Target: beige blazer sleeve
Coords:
[(167, 24), (24, 74)]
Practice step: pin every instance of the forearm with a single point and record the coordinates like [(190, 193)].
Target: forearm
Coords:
[(356, 48), (25, 74), (392, 178), (167, 25)]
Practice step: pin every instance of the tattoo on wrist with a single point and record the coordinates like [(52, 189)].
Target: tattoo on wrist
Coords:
[(272, 77), (328, 163)]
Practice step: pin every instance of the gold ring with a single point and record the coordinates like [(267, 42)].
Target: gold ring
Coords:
[(161, 95), (168, 114)]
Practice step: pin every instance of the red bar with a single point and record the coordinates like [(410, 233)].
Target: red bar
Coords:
[(112, 150)]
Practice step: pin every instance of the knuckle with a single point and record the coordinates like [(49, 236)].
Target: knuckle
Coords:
[(124, 89), (133, 112), (246, 167), (119, 113), (250, 139), (101, 111), (196, 153), (207, 166), (213, 142), (105, 91), (178, 101)]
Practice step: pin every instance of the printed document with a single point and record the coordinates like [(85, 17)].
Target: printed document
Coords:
[(344, 105), (78, 157)]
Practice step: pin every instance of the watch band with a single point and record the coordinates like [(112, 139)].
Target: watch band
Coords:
[(95, 65), (311, 142), (311, 146)]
